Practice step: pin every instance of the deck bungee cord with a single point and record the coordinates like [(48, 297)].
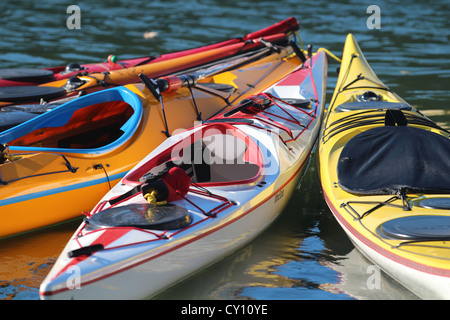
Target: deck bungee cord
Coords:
[(17, 157), (347, 206), (224, 203), (170, 83), (374, 117), (257, 113)]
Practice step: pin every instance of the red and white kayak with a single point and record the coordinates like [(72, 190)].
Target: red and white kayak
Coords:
[(32, 77), (198, 197), (53, 93)]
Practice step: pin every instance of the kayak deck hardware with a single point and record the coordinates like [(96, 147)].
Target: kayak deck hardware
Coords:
[(85, 251), (377, 204), (68, 165), (100, 166), (212, 213), (373, 116), (358, 78), (249, 106), (158, 86)]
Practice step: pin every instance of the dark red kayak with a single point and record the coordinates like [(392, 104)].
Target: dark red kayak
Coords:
[(32, 77)]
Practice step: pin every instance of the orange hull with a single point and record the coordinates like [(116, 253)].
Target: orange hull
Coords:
[(46, 192)]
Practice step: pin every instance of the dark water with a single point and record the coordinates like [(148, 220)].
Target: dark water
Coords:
[(304, 255)]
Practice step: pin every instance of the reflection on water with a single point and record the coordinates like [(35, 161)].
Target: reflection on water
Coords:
[(304, 254), (26, 260)]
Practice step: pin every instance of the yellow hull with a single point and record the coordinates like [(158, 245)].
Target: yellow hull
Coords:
[(421, 265), (39, 199)]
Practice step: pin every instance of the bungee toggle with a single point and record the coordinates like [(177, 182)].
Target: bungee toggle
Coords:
[(151, 198), (172, 185)]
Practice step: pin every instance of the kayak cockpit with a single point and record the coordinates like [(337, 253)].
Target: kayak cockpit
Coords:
[(213, 155), (94, 122), (90, 127), (216, 154)]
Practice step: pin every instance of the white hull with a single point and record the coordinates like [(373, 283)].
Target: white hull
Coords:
[(425, 285), (180, 260)]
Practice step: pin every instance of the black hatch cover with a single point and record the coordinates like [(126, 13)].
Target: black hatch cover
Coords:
[(145, 216), (423, 227), (26, 75), (29, 93), (386, 160)]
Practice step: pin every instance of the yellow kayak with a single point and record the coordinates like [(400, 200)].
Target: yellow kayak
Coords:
[(71, 156), (385, 174)]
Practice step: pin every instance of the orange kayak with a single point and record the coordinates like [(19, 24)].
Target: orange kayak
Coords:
[(87, 82), (72, 155)]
